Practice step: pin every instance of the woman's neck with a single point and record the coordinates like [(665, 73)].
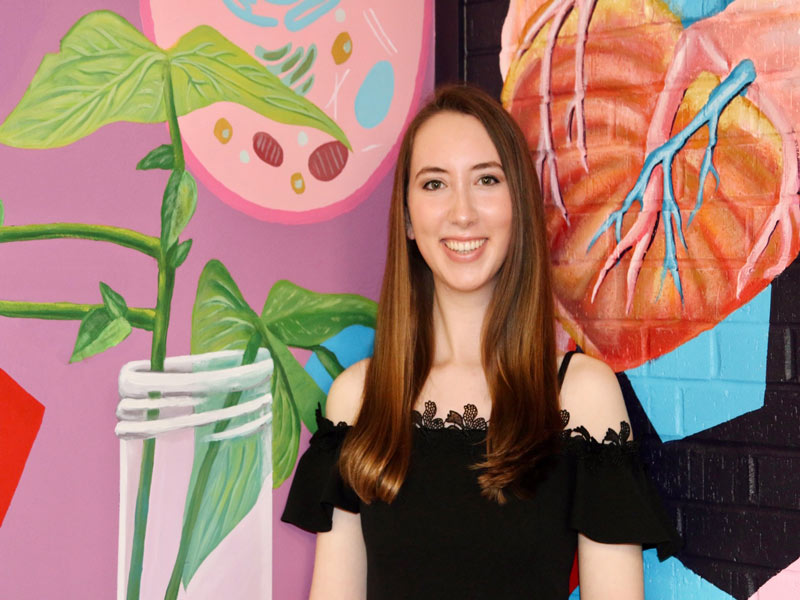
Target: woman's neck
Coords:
[(457, 325)]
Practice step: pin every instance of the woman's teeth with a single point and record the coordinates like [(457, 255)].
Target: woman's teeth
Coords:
[(464, 247)]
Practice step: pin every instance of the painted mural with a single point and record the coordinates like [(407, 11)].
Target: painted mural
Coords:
[(664, 134), (287, 111), (355, 60)]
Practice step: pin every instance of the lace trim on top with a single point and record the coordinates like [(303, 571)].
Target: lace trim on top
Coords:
[(468, 421), (612, 438)]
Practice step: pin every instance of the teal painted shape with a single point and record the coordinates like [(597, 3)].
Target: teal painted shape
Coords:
[(691, 11), (244, 10), (350, 346), (375, 95), (711, 379), (670, 580), (307, 12)]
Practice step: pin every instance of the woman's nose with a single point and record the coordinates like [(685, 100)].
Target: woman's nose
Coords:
[(462, 210)]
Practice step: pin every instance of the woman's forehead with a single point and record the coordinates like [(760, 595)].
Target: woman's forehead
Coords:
[(450, 139)]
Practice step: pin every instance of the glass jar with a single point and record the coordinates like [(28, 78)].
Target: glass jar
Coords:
[(202, 401)]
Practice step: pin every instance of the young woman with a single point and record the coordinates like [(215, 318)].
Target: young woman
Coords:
[(452, 472)]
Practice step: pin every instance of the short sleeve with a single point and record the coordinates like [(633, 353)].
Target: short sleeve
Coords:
[(317, 485), (614, 500)]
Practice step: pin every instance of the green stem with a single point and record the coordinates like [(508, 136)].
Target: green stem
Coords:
[(102, 233), (172, 118), (158, 353), (142, 318), (203, 475)]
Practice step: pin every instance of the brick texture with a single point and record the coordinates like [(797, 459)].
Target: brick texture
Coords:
[(733, 490)]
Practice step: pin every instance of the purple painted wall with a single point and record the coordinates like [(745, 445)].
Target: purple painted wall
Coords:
[(59, 537)]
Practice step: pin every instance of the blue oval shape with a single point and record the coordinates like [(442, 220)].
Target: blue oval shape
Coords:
[(375, 95)]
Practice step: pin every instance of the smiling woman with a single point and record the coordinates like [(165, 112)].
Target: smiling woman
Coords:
[(459, 205), (403, 499)]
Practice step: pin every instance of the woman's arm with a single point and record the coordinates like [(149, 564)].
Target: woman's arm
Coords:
[(593, 398), (609, 570), (340, 565)]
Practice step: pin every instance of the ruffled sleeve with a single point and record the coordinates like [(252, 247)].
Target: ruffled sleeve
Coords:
[(317, 486), (614, 500)]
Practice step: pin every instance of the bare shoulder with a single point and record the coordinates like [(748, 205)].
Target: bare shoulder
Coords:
[(592, 396), (344, 397)]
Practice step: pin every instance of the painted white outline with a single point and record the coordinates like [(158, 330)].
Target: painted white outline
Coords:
[(133, 406), (179, 377), (380, 28), (122, 540), (147, 429), (382, 39), (242, 430), (335, 95)]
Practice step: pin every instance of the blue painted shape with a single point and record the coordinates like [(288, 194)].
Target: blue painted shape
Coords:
[(733, 85), (375, 95), (713, 378), (711, 403), (663, 405), (576, 594), (244, 10), (307, 12), (691, 11), (670, 580), (350, 345)]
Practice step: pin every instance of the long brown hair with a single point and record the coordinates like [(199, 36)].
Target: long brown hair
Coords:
[(518, 339)]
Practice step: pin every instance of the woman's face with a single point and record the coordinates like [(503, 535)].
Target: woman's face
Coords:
[(459, 203)]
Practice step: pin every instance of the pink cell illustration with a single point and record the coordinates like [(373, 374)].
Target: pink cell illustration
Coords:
[(362, 63)]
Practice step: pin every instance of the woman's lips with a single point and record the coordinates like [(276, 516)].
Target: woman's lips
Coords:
[(464, 249)]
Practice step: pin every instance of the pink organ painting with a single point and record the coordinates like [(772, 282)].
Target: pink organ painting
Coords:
[(361, 62)]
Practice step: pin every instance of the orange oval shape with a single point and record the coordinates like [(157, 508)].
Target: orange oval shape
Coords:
[(342, 48), (223, 130), (298, 183)]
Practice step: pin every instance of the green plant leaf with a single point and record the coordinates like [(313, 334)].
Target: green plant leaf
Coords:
[(2, 212), (230, 488), (328, 360), (178, 206), (208, 68), (306, 395), (113, 302), (304, 319), (162, 157), (98, 332), (233, 488), (178, 254), (105, 71), (221, 318), (285, 428)]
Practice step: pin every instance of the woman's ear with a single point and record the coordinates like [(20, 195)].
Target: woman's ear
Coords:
[(409, 228)]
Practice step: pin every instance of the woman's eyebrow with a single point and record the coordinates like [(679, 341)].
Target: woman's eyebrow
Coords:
[(425, 170), (487, 165)]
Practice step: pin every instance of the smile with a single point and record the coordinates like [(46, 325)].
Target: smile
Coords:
[(464, 247)]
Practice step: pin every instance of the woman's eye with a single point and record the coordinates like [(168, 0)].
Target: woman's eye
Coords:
[(433, 184), (488, 180)]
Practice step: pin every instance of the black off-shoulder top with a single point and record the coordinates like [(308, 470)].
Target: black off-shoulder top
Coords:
[(440, 538)]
